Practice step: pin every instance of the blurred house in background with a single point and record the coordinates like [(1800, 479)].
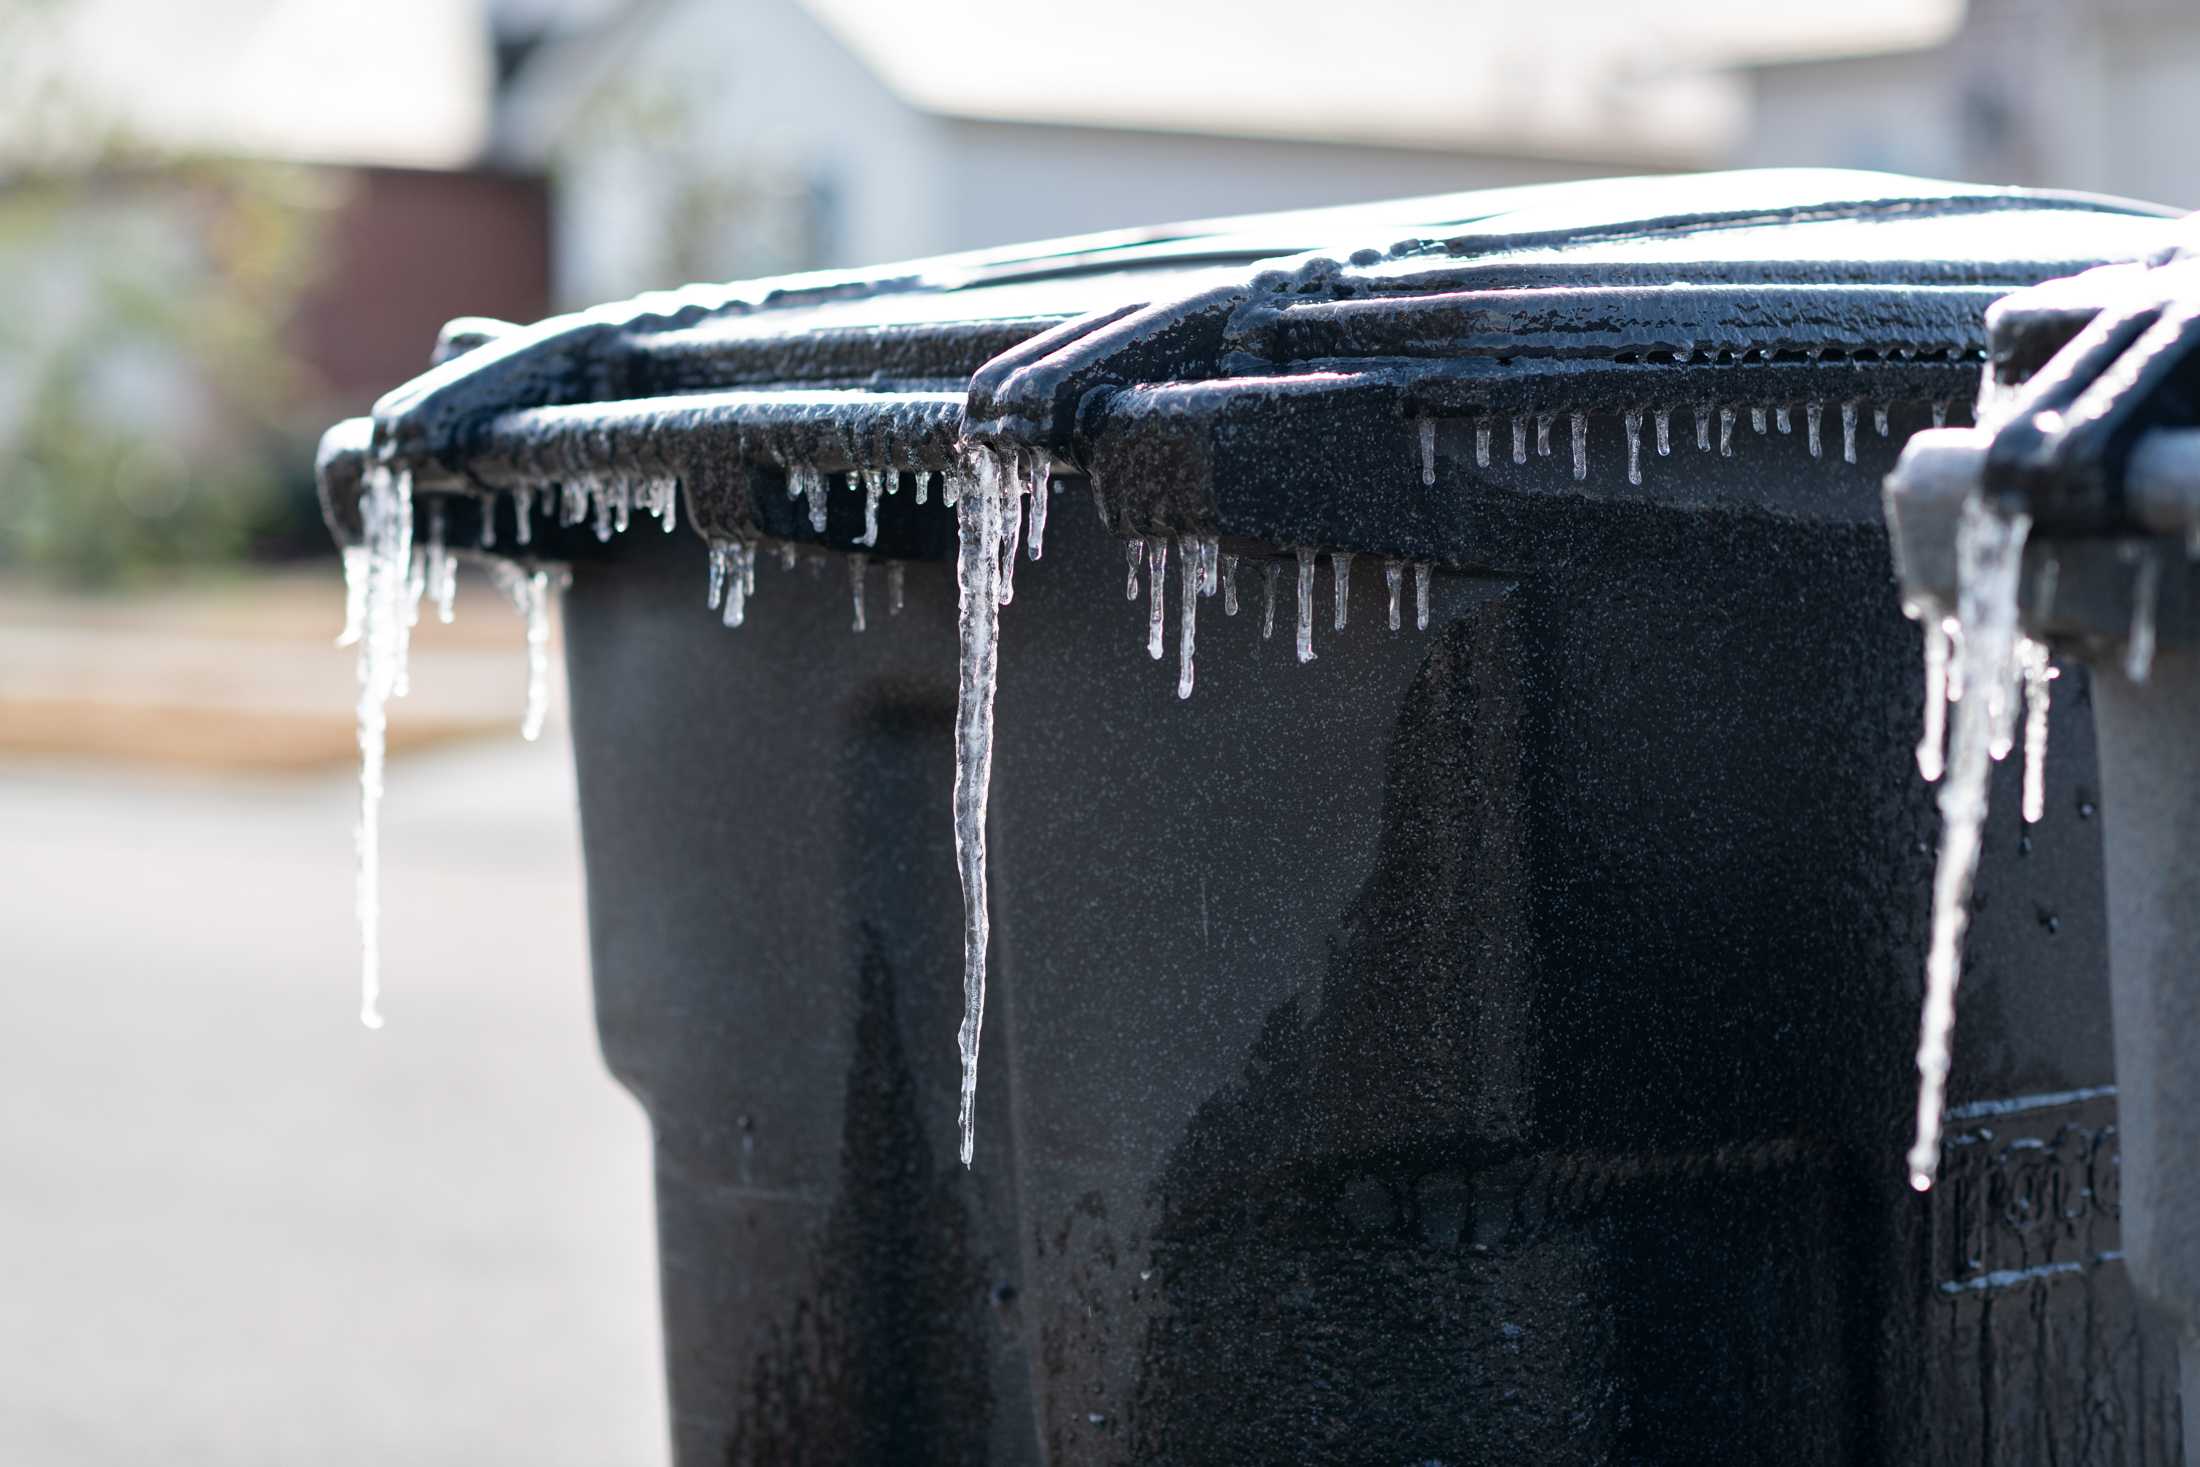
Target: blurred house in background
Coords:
[(2088, 94)]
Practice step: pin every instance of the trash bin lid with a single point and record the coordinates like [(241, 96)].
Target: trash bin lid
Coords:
[(1380, 378)]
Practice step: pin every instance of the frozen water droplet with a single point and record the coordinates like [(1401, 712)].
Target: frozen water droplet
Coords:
[(855, 589), (1520, 439), (1340, 579), (1703, 427), (924, 485), (1135, 550), (1726, 432), (1811, 413), (1420, 595), (1757, 419), (1229, 585), (1581, 446), (1157, 567), (1481, 445), (1269, 573), (1663, 422), (977, 567), (719, 557), (1394, 580), (1428, 453), (1187, 611), (1634, 447), (1542, 435), (1306, 605), (1879, 420), (1848, 432)]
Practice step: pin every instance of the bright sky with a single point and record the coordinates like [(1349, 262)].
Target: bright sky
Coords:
[(407, 80)]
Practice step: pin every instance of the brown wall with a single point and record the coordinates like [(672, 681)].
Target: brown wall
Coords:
[(407, 250)]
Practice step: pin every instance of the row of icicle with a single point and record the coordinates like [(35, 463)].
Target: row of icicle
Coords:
[(1761, 420)]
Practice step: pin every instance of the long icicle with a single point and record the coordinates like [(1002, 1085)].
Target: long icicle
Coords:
[(977, 579)]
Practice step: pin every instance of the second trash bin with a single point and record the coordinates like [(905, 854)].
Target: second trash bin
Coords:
[(1488, 1038)]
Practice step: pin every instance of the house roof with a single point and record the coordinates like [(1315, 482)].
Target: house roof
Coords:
[(1606, 80)]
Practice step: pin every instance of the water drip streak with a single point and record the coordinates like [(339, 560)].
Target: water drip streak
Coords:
[(977, 569), (2038, 676), (1481, 445), (856, 565), (1990, 556), (1634, 447)]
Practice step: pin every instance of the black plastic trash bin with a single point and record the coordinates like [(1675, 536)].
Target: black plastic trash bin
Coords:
[(1486, 1042)]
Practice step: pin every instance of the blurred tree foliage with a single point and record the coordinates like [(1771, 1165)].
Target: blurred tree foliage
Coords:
[(148, 400)]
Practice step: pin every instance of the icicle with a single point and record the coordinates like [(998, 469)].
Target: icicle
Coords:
[(977, 567), (856, 565), (1269, 574), (385, 514), (1784, 420), (894, 570), (737, 595), (2033, 664), (1663, 422), (1481, 445), (1989, 558), (1011, 489), (1520, 439), (1157, 567), (809, 480), (357, 568), (1879, 419), (523, 515), (1703, 427), (488, 521), (1428, 453), (1136, 550), (1420, 595), (1931, 745), (1042, 490), (572, 503), (1581, 446), (1848, 432), (1229, 585), (720, 558), (874, 488), (1542, 435), (442, 566), (924, 485), (1340, 576), (744, 560), (1100, 505), (416, 582), (1757, 420), (1811, 412), (1394, 579), (1726, 432), (622, 504), (1187, 612), (1209, 573), (602, 499), (1634, 447), (1940, 413), (2145, 591), (668, 505), (529, 593), (1306, 605)]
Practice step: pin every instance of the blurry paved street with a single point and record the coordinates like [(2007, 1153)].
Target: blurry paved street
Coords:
[(235, 1227)]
